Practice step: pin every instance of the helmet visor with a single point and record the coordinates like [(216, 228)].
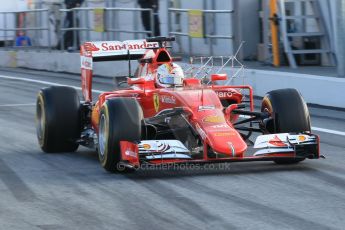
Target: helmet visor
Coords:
[(170, 80)]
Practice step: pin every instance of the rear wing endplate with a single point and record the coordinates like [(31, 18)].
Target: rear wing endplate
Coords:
[(108, 51)]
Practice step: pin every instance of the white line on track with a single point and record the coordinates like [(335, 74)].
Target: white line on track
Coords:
[(330, 131), (44, 82), (15, 105)]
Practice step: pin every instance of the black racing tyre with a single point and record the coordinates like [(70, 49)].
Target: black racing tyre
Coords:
[(288, 114), (58, 119), (120, 120)]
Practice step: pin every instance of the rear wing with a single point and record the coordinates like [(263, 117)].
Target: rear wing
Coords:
[(116, 50), (91, 52)]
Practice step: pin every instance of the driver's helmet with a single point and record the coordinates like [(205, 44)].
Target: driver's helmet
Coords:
[(169, 75)]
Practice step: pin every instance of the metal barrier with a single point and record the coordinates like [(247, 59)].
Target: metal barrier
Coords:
[(82, 23), (34, 29), (107, 3), (113, 20), (210, 37)]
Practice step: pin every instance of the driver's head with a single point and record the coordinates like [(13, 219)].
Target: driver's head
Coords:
[(169, 75)]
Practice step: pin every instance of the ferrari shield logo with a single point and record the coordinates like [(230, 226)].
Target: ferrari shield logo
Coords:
[(156, 102)]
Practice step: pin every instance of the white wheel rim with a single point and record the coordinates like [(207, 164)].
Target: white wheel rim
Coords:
[(40, 120), (102, 136)]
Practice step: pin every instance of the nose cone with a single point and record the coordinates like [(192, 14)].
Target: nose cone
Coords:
[(224, 139), (209, 116)]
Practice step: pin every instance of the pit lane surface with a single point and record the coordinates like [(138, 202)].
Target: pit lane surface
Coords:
[(72, 191)]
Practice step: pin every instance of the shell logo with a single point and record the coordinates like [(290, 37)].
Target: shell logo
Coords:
[(214, 119), (146, 146), (156, 102), (301, 138)]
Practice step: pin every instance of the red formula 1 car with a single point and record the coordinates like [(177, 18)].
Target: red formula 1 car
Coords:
[(165, 117)]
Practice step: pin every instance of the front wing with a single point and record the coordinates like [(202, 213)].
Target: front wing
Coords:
[(268, 147)]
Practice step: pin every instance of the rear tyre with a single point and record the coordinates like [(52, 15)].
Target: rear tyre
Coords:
[(288, 114), (58, 121), (120, 120)]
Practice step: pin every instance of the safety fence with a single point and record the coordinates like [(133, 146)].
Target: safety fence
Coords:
[(107, 21), (39, 4), (199, 24), (77, 24), (195, 30)]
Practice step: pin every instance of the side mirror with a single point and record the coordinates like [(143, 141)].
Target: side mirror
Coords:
[(136, 81), (191, 82), (145, 60), (219, 77)]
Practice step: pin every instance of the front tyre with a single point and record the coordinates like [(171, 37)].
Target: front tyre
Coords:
[(120, 120), (58, 121), (288, 114)]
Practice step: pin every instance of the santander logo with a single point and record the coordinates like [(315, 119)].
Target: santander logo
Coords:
[(106, 46), (130, 153), (91, 47), (277, 142), (87, 64)]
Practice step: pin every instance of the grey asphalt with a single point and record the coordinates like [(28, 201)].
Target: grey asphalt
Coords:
[(72, 191)]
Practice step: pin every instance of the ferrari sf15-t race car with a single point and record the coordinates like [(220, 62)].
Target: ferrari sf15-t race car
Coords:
[(165, 117)]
